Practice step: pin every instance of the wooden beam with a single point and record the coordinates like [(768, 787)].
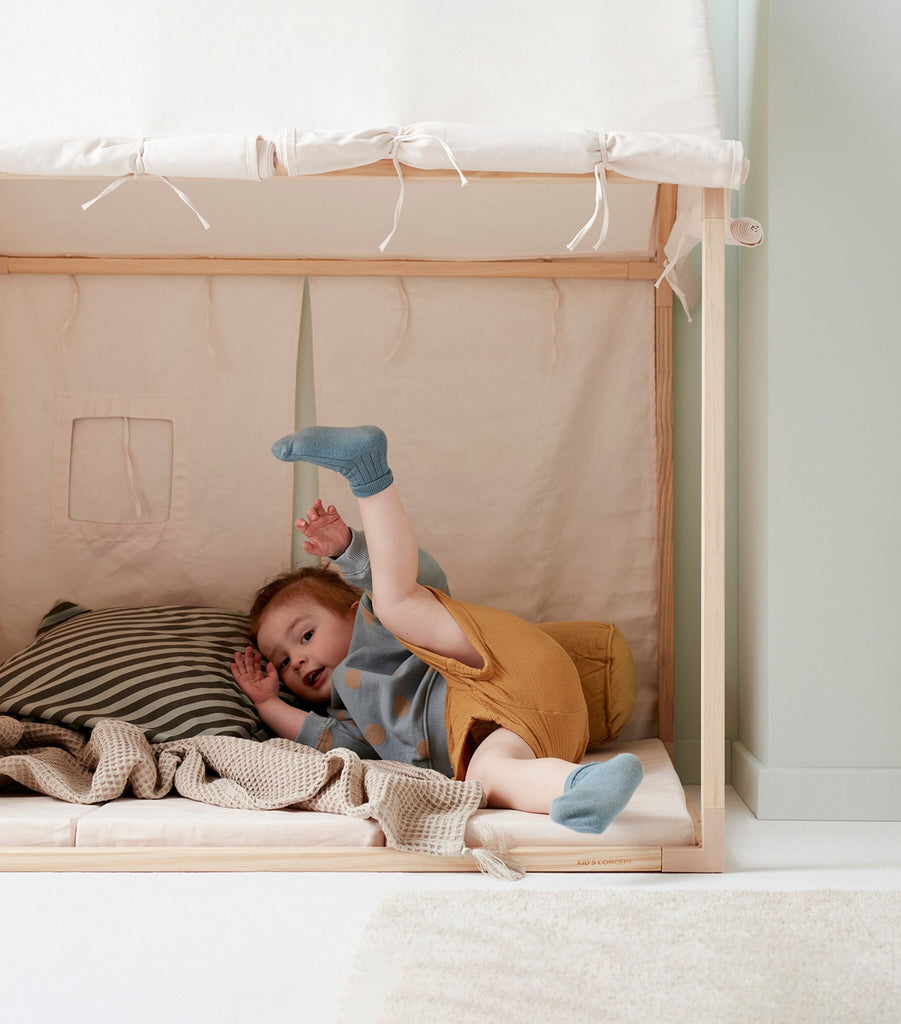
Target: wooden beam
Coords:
[(666, 215), (379, 169), (709, 855), (343, 858), (713, 503), (385, 169), (563, 268), (665, 528)]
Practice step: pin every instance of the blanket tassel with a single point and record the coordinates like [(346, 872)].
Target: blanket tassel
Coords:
[(496, 863)]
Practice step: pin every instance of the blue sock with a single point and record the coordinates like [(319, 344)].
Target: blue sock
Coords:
[(358, 453), (594, 794)]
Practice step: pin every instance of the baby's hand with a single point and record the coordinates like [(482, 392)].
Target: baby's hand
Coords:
[(247, 668), (326, 532)]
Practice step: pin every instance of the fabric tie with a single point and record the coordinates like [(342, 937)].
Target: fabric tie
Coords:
[(139, 172), (413, 135), (668, 267), (600, 199)]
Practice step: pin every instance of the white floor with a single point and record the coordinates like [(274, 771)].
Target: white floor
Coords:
[(218, 949)]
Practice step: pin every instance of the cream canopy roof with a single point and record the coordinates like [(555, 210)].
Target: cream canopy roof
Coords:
[(597, 89), (189, 68)]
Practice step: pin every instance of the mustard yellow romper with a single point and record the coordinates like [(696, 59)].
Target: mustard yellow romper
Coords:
[(527, 684)]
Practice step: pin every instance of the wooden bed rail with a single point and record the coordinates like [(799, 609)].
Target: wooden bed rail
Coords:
[(562, 268), (385, 169), (313, 858)]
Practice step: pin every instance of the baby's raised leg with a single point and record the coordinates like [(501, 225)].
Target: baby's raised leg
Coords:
[(585, 798), (408, 610)]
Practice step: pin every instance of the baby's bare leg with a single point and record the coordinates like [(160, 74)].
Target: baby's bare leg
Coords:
[(512, 776), (585, 798), (407, 609)]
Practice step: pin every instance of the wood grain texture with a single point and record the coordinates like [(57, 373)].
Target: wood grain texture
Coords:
[(563, 268), (215, 859)]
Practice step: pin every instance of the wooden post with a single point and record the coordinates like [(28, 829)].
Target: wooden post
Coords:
[(710, 855), (663, 361)]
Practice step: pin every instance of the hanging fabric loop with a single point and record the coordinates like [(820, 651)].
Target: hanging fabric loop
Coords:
[(414, 135), (130, 469), (555, 325), (405, 299), (600, 199), (208, 325), (73, 309)]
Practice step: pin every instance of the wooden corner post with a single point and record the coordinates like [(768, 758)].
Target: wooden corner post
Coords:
[(666, 216), (709, 855)]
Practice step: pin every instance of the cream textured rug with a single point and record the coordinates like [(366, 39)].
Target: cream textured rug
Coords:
[(604, 957)]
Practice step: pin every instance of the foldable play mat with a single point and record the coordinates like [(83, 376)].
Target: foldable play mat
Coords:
[(395, 219)]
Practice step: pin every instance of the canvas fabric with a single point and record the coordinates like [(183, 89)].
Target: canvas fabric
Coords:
[(137, 415), (522, 436)]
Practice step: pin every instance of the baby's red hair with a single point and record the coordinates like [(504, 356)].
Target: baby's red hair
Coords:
[(323, 585)]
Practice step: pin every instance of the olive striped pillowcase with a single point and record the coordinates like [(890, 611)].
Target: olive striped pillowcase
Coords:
[(166, 669)]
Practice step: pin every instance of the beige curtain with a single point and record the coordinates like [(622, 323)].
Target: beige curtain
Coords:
[(136, 416), (521, 432)]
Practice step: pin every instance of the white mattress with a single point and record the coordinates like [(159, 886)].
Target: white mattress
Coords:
[(27, 819), (656, 816), (175, 821)]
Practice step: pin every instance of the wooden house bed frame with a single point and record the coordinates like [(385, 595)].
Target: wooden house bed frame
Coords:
[(708, 852)]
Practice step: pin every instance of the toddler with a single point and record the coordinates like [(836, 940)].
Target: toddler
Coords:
[(411, 674)]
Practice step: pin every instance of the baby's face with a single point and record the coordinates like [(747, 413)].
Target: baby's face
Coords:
[(305, 641)]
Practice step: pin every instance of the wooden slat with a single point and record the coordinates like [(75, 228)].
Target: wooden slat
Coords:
[(385, 169), (666, 215), (562, 268), (709, 855), (380, 169), (665, 530), (713, 502), (213, 859)]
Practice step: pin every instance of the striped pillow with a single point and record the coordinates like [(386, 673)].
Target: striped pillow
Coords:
[(166, 669)]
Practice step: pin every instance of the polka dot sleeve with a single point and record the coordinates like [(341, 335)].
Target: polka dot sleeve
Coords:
[(323, 733)]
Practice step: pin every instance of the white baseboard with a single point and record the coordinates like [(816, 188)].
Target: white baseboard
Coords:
[(816, 794)]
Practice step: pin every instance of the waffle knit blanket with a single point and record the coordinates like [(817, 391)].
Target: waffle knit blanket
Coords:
[(419, 810)]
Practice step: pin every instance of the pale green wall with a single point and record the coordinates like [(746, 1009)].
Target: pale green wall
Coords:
[(753, 354), (820, 501)]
